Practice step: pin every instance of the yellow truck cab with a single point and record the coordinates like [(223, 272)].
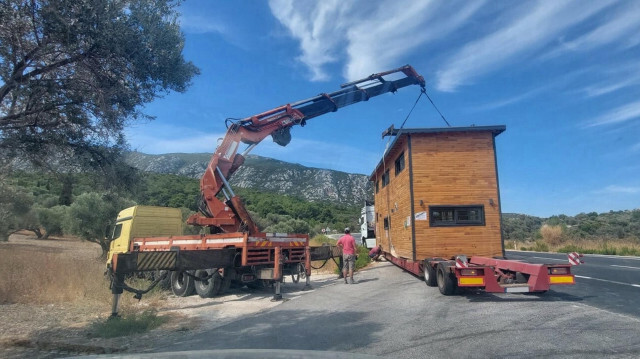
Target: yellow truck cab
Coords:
[(143, 221)]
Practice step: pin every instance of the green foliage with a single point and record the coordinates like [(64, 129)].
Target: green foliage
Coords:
[(363, 257), (74, 73), (52, 220), (91, 214), (167, 190), (589, 226), (127, 325), (539, 246), (15, 208), (316, 214)]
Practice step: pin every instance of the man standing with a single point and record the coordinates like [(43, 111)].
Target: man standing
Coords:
[(348, 245)]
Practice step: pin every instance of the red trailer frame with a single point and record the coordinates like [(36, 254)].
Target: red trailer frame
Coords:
[(490, 274)]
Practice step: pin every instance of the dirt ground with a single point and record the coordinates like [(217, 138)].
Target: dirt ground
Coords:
[(61, 328)]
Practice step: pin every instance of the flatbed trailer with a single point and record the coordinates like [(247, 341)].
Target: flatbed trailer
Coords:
[(489, 274), (149, 239)]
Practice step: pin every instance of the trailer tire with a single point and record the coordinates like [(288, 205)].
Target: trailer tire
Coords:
[(430, 277), (182, 285), (446, 280), (213, 285)]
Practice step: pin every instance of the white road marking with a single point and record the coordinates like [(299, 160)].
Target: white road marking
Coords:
[(553, 259), (615, 265), (608, 281)]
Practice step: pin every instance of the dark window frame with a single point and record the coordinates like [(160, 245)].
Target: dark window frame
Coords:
[(377, 186), (456, 216), (400, 163), (386, 223), (385, 178)]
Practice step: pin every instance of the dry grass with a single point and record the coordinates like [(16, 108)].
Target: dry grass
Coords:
[(57, 272), (599, 246), (552, 235)]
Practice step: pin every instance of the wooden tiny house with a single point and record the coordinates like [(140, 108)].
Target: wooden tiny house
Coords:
[(437, 193)]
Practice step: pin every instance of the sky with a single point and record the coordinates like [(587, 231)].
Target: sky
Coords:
[(563, 76)]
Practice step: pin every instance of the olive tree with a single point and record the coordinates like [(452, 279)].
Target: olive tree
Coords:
[(74, 73), (91, 214)]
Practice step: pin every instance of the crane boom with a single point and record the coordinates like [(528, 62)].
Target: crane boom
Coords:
[(230, 215)]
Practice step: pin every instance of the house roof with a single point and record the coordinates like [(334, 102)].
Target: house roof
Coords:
[(401, 132)]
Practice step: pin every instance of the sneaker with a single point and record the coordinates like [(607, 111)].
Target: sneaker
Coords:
[(345, 282), (352, 281)]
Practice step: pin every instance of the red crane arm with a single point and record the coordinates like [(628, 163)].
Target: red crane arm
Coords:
[(230, 215)]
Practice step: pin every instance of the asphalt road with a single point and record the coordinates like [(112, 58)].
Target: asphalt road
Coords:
[(390, 313), (606, 282)]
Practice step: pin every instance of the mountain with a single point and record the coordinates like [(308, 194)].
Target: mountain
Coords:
[(266, 174)]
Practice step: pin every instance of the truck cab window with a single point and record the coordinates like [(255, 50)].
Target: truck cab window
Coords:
[(117, 231)]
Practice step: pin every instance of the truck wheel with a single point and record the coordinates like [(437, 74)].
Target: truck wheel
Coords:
[(182, 285), (430, 275), (446, 280), (212, 286)]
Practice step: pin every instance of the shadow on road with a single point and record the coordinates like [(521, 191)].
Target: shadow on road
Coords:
[(550, 296)]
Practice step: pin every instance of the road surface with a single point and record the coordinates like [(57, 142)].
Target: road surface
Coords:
[(390, 313), (607, 282)]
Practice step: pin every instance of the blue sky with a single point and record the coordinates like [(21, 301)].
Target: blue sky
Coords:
[(563, 76)]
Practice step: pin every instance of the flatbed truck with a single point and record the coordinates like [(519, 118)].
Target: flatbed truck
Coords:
[(232, 248)]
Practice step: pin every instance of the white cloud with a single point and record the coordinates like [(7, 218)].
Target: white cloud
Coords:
[(624, 113), (623, 23), (367, 36), (530, 29), (617, 79), (621, 189), (158, 139)]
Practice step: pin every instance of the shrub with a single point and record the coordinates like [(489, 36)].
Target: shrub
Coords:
[(127, 325), (552, 235), (540, 246)]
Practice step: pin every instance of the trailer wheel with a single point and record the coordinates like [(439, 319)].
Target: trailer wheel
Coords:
[(430, 275), (182, 285), (213, 284), (446, 280)]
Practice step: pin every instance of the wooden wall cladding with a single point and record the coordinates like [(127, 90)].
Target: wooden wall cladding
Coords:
[(456, 168)]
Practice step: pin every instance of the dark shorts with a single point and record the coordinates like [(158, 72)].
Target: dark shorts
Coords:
[(348, 261)]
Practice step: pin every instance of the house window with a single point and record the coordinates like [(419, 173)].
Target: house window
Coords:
[(385, 178), (377, 186), (441, 216), (400, 163), (386, 222)]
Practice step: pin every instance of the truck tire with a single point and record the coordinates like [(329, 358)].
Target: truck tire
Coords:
[(212, 286), (446, 280), (430, 277), (182, 285)]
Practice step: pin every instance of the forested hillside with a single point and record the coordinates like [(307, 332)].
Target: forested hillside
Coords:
[(75, 204)]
